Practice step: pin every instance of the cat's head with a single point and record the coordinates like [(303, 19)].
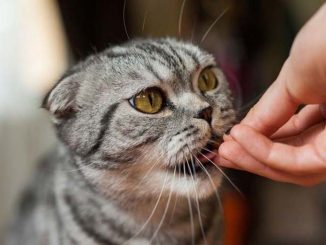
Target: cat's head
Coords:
[(146, 113)]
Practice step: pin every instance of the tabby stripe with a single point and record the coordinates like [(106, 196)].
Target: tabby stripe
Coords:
[(82, 176), (128, 156), (162, 51), (183, 130), (175, 53), (147, 55), (86, 227), (116, 55), (126, 133), (116, 159), (147, 141), (148, 47), (58, 219), (105, 123), (177, 61), (156, 75), (149, 67), (71, 240), (184, 49), (191, 55), (155, 59), (137, 55)]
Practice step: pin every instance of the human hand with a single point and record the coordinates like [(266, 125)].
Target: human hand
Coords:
[(273, 141)]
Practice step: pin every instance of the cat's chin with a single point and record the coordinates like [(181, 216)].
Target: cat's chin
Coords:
[(201, 185), (198, 176)]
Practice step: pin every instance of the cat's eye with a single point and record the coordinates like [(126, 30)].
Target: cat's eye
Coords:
[(148, 101), (207, 80)]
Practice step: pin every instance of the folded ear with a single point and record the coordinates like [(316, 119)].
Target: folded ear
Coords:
[(61, 99)]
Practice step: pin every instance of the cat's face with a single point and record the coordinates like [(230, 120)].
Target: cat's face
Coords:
[(143, 117)]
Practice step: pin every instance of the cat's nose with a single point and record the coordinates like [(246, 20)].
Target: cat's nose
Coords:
[(205, 114)]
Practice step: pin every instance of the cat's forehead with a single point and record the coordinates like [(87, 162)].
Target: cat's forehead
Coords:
[(122, 71), (144, 63)]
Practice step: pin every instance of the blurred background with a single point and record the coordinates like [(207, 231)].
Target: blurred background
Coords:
[(39, 39)]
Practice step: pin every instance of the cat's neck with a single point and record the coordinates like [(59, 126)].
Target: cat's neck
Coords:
[(131, 216)]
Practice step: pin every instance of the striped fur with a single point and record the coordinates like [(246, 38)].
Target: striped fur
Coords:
[(116, 166)]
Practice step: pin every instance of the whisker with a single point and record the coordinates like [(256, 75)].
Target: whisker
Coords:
[(180, 16), (144, 20), (209, 150), (215, 141), (124, 18), (176, 198), (165, 211), (244, 109), (78, 168), (212, 25), (191, 213), (193, 30), (196, 199), (212, 183), (225, 175), (252, 101), (153, 211), (147, 173)]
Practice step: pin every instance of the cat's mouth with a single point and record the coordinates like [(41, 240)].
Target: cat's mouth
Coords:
[(201, 160)]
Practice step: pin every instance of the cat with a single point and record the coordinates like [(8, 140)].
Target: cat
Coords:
[(138, 125)]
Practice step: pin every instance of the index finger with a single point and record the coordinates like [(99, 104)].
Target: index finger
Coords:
[(275, 107), (305, 159)]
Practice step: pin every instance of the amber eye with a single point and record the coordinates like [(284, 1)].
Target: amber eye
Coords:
[(148, 101), (207, 80)]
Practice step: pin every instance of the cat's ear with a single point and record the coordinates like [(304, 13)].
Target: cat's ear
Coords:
[(61, 99)]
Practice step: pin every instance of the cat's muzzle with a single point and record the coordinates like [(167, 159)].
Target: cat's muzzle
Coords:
[(200, 160)]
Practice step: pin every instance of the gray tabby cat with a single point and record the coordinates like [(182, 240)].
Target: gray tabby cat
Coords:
[(138, 126)]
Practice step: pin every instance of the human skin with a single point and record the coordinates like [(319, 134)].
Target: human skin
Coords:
[(273, 141)]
